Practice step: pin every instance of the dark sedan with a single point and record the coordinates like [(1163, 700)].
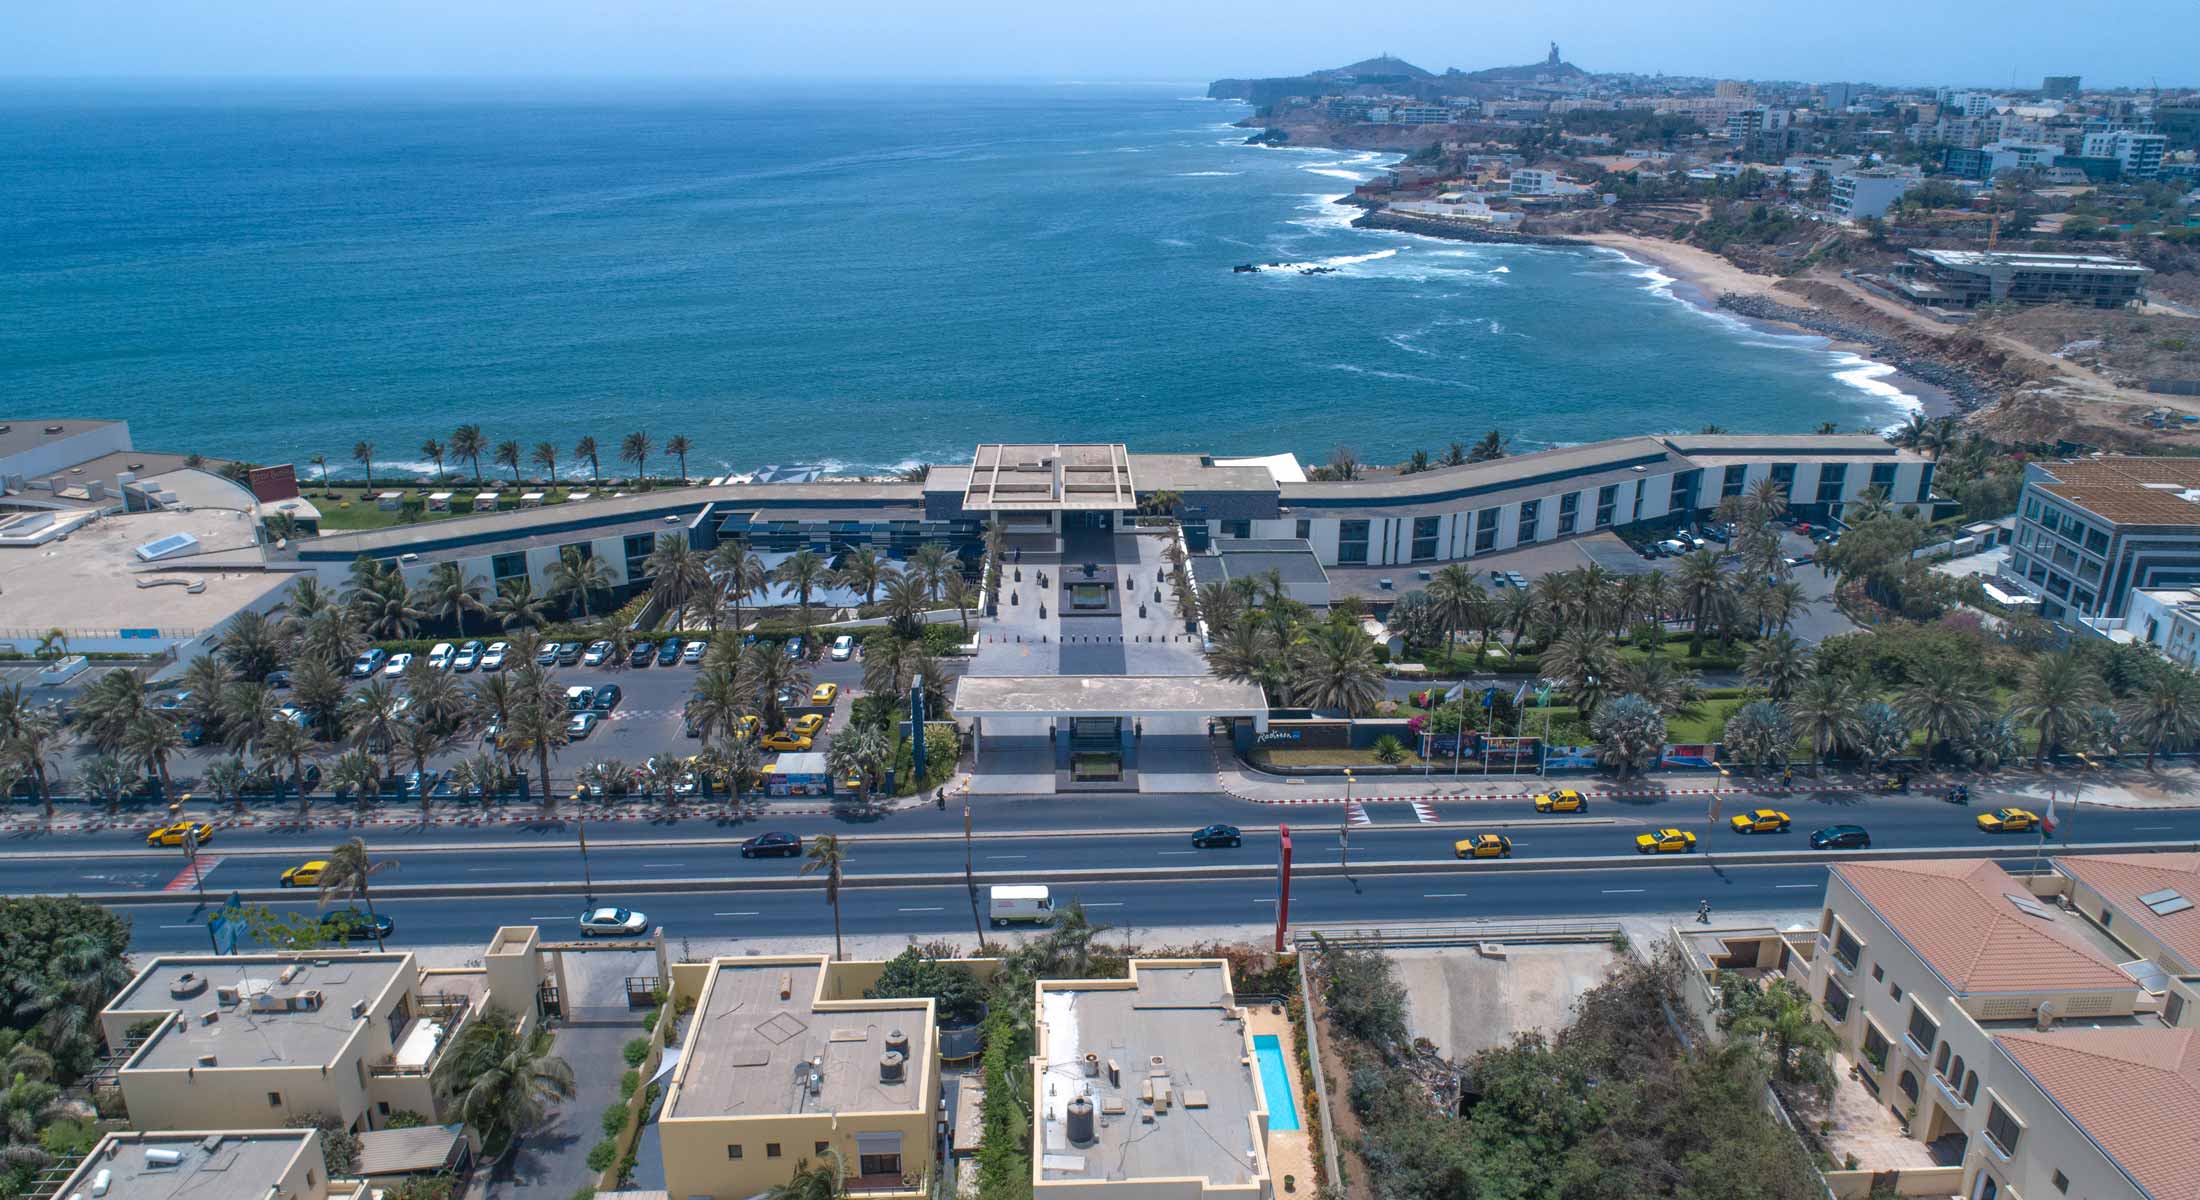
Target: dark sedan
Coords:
[(643, 655), (351, 925), (1218, 835), (766, 845), (1841, 837), (606, 698), (668, 652)]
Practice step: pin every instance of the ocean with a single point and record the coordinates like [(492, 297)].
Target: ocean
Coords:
[(855, 276)]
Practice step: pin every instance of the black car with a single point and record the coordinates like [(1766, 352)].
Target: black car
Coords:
[(278, 680), (351, 925), (668, 652), (1841, 837), (568, 653), (1218, 835), (643, 655), (606, 698), (764, 845)]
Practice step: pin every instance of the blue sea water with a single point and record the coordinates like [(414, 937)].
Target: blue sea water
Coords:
[(859, 276)]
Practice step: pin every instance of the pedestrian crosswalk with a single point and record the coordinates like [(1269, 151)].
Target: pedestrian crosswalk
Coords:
[(1424, 812), (1355, 813), (191, 875)]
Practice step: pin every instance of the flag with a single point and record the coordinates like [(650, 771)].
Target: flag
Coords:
[(1518, 694), (2049, 823)]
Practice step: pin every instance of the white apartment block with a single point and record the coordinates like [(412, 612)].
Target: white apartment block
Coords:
[(2139, 154), (1861, 194)]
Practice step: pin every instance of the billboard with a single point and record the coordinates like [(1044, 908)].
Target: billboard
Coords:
[(1568, 758), (1689, 755), (269, 484)]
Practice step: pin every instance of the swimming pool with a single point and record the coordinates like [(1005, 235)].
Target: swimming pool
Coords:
[(1275, 1083)]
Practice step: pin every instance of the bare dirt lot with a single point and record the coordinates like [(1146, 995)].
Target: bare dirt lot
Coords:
[(1464, 1001)]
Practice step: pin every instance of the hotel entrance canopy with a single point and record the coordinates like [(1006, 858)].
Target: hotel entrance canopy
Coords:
[(1060, 477), (1108, 696)]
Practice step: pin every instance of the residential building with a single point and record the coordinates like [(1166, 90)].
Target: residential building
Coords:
[(2138, 155), (1150, 1088), (1869, 193), (2005, 157), (1970, 104), (1757, 125), (1533, 181), (1420, 114), (784, 1062), (1964, 279), (2092, 531), (253, 1040), (2167, 619), (248, 1164), (2146, 902), (1836, 97), (2026, 1042), (2060, 87), (1733, 89)]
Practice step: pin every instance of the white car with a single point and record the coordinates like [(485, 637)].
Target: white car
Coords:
[(492, 659), (580, 724), (693, 652), (397, 664), (612, 922), (439, 656), (596, 654), (577, 699), (469, 657), (844, 648)]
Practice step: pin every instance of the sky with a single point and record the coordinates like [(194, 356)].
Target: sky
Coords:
[(1962, 42)]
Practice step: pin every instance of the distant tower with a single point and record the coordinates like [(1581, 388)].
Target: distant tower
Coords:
[(1552, 61)]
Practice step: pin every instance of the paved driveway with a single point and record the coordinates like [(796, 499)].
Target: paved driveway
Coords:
[(553, 1164)]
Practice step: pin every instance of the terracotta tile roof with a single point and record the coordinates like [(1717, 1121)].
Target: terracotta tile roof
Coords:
[(2122, 878), (2115, 489), (1958, 917), (2135, 1092)]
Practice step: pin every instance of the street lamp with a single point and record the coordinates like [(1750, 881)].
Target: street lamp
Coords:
[(1344, 828)]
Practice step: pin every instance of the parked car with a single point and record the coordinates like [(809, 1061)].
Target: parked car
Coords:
[(1562, 800), (668, 652), (577, 699), (807, 725), (764, 845), (1217, 835), (844, 647), (595, 654), (1672, 547), (824, 694), (1483, 845), (1650, 550), (351, 925), (581, 724), (643, 655), (397, 664), (278, 680), (548, 655), (610, 921), (606, 698), (694, 651), (469, 657), (1763, 820), (439, 656), (492, 659), (1841, 837), (795, 646), (368, 663), (785, 740), (1518, 580), (568, 653), (1500, 579)]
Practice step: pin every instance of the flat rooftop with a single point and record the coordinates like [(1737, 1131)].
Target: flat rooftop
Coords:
[(2018, 260), (1050, 476), (215, 1166), (2129, 490), (1246, 558), (761, 1020), (1177, 1030), (93, 579), (1105, 695), (21, 434), (243, 1034)]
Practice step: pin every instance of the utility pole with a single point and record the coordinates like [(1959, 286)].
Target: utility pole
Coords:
[(580, 827), (970, 879), (191, 862), (1344, 828)]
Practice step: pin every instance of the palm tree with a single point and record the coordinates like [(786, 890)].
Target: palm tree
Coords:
[(507, 455), (802, 573), (386, 608), (149, 740), (467, 442), (826, 857), (1489, 449), (765, 672), (1778, 664), (327, 639), (537, 726), (362, 452), (677, 573), (1913, 432), (103, 776), (811, 1181), (247, 712), (516, 604), (434, 449), (321, 461), (348, 875), (1629, 733), (1782, 1015), (1767, 500), (1698, 584), (720, 702), (1457, 597), (2164, 711), (859, 751), (635, 448), (109, 706), (740, 574), (574, 576), (1661, 681), (449, 594), (501, 1083), (288, 745), (1945, 700), (2058, 697), (677, 446), (252, 644), (226, 779), (357, 773), (370, 717), (1241, 653), (545, 455), (318, 691), (958, 593), (862, 570), (905, 605), (1335, 667), (1824, 709), (931, 562), (586, 448), (422, 737)]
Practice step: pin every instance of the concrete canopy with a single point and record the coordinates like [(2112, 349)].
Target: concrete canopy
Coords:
[(1107, 696)]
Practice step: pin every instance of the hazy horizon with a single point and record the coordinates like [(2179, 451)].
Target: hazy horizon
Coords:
[(1131, 41)]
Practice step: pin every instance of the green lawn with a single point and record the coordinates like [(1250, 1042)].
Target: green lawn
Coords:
[(355, 507)]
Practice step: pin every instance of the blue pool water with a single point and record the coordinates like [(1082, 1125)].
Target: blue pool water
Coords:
[(1275, 1083)]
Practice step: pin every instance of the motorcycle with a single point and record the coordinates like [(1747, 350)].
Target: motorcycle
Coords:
[(1959, 794)]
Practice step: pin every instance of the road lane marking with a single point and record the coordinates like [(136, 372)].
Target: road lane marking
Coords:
[(2148, 828), (997, 857), (664, 864), (934, 908), (734, 914), (1172, 852), (183, 927), (480, 869), (1269, 900), (1101, 903), (1620, 891), (1441, 895), (1797, 885), (553, 918)]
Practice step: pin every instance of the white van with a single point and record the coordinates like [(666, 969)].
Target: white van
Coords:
[(1020, 902)]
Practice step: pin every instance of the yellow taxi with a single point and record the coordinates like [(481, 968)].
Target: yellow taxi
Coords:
[(173, 835), (784, 740), (807, 725), (747, 728), (1763, 820), (824, 694), (1665, 841), (1483, 845), (305, 874), (1562, 800), (2008, 820)]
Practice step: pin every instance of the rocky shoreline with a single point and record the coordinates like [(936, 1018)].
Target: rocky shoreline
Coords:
[(1966, 391)]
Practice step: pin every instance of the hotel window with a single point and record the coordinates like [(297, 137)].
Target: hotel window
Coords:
[(2062, 1182), (1737, 477), (1607, 499), (1569, 511), (2096, 541), (1837, 1001), (1528, 511), (1424, 537), (2002, 1129), (822, 1147), (1883, 478), (1925, 482), (1485, 530), (639, 546), (2173, 1009), (1237, 529), (733, 1150), (1875, 1045), (1940, 1061), (1970, 1087), (1879, 972), (1923, 1029), (771, 1149), (2032, 509), (1847, 949), (1895, 990), (508, 566), (1303, 529), (1832, 477), (274, 1099), (1352, 541), (1783, 474)]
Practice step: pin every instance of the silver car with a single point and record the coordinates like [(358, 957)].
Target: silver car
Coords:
[(611, 921)]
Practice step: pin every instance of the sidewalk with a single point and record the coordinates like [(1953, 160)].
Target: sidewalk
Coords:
[(332, 813)]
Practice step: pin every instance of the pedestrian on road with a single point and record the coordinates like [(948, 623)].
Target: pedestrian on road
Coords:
[(1703, 913), (939, 798)]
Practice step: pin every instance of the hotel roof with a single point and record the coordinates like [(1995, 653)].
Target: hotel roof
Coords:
[(1985, 260), (287, 1028), (1049, 476), (1960, 918), (1176, 1030), (2135, 1092), (2123, 879), (212, 1166), (761, 1020), (2128, 491), (20, 434)]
